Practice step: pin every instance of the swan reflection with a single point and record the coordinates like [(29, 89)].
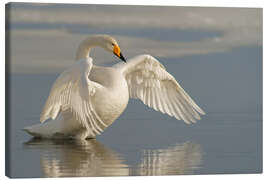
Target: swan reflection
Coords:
[(177, 159), (78, 158), (91, 158)]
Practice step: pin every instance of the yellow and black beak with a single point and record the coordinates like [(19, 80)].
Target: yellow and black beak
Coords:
[(117, 52)]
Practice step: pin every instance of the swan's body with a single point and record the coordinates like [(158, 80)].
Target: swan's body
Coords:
[(85, 99)]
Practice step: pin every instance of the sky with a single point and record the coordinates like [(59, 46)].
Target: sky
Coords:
[(44, 37)]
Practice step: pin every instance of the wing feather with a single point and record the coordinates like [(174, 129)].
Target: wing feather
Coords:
[(71, 95), (160, 108), (149, 81)]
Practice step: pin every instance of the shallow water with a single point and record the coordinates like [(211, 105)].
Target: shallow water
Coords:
[(144, 142)]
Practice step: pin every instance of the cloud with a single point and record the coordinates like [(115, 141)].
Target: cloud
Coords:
[(45, 37)]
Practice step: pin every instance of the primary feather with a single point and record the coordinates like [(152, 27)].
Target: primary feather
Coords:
[(149, 81)]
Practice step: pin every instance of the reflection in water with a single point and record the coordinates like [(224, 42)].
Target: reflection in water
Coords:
[(78, 158), (90, 158), (177, 159)]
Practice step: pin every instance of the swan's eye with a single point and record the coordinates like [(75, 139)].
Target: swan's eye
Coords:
[(113, 44)]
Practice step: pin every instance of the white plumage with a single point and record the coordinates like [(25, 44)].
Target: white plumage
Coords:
[(71, 94), (149, 81), (85, 99)]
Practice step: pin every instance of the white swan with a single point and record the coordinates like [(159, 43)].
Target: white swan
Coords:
[(85, 99)]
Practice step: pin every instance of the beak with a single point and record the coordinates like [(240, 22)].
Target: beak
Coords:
[(122, 58), (117, 52)]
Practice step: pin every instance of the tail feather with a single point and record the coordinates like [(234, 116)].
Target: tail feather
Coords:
[(35, 130), (57, 129)]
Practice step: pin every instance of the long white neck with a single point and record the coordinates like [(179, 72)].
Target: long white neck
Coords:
[(84, 48)]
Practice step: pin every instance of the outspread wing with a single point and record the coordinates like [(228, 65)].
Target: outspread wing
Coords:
[(71, 96), (149, 81)]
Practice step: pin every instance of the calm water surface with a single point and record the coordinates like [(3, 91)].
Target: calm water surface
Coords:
[(144, 142)]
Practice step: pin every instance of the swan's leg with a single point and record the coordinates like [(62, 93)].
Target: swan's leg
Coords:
[(89, 136), (83, 134)]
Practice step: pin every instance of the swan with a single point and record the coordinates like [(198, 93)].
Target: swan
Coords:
[(85, 99)]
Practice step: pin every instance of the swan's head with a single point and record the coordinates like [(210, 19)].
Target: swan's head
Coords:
[(111, 45)]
